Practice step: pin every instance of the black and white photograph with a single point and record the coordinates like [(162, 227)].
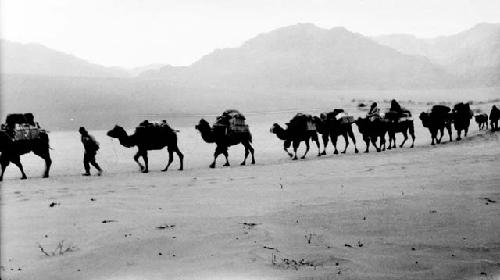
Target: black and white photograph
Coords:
[(249, 139)]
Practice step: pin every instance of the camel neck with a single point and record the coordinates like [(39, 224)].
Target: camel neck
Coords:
[(281, 133), (207, 135), (127, 141)]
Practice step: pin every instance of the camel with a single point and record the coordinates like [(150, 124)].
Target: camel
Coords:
[(224, 140), (296, 132), (149, 138), (331, 128), (13, 149), (372, 131), (482, 121), (397, 125), (436, 121), (462, 115)]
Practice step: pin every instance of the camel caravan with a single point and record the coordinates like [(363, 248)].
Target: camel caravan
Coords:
[(20, 134)]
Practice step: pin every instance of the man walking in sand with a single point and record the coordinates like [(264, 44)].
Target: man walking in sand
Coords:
[(91, 146)]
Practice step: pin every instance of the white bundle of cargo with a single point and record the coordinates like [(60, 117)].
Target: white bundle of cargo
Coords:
[(344, 118)]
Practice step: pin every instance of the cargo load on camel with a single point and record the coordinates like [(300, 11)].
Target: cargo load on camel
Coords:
[(403, 116), (340, 115), (231, 121), (302, 122), (152, 126), (22, 127)]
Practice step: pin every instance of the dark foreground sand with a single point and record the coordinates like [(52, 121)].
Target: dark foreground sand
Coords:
[(422, 213)]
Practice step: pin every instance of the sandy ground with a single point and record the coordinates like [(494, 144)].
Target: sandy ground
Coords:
[(431, 212)]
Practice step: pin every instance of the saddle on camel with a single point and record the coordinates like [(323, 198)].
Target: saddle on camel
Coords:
[(231, 122), (22, 127)]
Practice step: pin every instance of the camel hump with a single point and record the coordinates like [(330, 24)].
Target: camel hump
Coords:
[(302, 122)]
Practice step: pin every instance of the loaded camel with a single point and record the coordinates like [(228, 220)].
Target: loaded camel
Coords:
[(397, 124), (436, 121), (299, 129), (148, 138), (482, 121), (372, 131), (462, 115), (331, 128), (13, 149), (224, 140)]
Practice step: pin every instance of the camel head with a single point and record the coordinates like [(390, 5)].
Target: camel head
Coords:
[(425, 118), (202, 125), (275, 128), (117, 132)]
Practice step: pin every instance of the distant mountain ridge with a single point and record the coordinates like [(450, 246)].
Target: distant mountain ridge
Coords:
[(35, 59), (302, 56), (305, 56), (472, 55)]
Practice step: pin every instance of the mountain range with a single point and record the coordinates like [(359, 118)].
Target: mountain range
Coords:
[(36, 59), (303, 56), (473, 55)]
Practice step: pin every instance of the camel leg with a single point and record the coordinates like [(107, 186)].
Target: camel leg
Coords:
[(246, 155), (353, 138), (374, 143), (181, 158), (17, 161), (307, 149), (412, 133), (449, 132), (295, 147), (346, 140), (170, 159), (146, 163), (251, 152), (4, 162), (286, 145), (367, 143), (216, 154), (224, 152), (405, 134), (248, 148), (325, 142), (334, 142), (438, 140), (45, 155), (136, 159), (315, 139), (391, 140)]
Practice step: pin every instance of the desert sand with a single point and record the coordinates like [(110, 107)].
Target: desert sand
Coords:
[(431, 212)]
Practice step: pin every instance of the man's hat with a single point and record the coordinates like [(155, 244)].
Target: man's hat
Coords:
[(82, 129)]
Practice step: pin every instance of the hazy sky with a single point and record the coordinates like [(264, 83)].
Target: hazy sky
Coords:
[(138, 32)]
